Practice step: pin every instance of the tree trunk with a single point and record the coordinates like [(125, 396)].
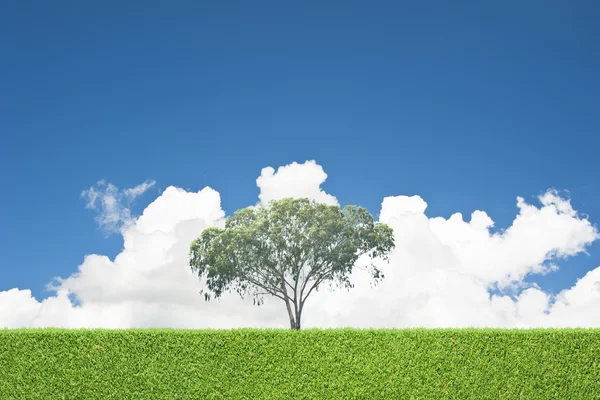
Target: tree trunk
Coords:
[(290, 313), (287, 304), (298, 315), (293, 322)]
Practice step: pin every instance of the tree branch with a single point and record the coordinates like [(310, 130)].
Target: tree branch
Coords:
[(253, 268), (313, 270), (272, 292), (317, 283)]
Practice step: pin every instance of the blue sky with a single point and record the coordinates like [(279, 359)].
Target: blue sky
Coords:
[(466, 105)]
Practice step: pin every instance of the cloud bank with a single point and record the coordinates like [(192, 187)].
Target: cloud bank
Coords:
[(439, 275)]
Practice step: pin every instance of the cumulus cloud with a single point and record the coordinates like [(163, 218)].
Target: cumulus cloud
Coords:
[(440, 273), (294, 180)]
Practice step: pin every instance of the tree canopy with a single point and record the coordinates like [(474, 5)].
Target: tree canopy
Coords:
[(287, 249)]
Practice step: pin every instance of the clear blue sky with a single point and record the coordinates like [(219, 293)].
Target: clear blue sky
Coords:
[(465, 104)]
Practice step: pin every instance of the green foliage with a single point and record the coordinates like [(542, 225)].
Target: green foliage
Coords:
[(287, 249), (310, 364)]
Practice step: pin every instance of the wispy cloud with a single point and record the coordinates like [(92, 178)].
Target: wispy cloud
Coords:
[(113, 205)]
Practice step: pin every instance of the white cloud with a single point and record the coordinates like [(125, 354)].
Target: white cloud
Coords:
[(439, 275), (114, 205), (294, 180), (131, 194)]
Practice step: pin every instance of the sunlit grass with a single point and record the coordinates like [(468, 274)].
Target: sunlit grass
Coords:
[(307, 364)]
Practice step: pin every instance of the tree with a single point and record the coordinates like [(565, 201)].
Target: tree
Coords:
[(278, 249)]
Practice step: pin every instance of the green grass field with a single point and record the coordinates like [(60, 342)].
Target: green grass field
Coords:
[(307, 364)]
